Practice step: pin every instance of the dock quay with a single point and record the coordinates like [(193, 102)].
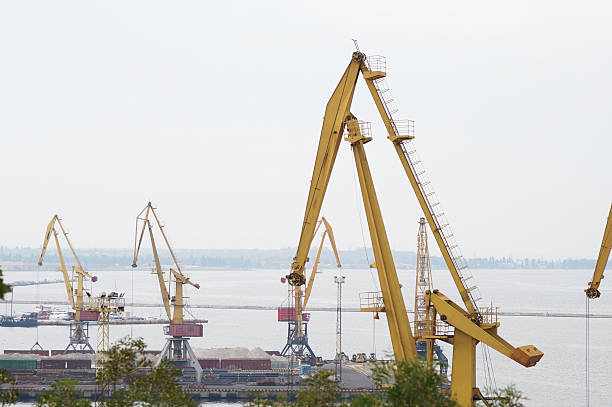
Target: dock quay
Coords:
[(124, 322), (203, 393)]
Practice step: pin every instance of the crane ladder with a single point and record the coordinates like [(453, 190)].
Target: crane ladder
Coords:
[(441, 224)]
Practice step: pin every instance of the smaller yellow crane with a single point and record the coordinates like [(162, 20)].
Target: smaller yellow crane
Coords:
[(297, 332), (604, 252), (177, 348), (79, 326)]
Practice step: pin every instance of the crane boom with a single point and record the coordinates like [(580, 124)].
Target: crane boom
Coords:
[(75, 296), (602, 260), (175, 310), (330, 233), (329, 143), (338, 117)]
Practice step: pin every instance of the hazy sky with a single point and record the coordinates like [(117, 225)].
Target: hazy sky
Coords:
[(212, 110)]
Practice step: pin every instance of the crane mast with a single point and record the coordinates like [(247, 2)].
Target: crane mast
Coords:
[(177, 348), (592, 291)]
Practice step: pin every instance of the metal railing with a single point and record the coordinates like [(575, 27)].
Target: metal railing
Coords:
[(371, 301)]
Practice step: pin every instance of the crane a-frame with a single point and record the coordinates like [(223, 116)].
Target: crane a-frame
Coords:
[(177, 348), (471, 326), (604, 253), (294, 315), (79, 326)]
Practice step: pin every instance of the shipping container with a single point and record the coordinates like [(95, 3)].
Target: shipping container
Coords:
[(306, 369), (210, 363), (89, 315), (17, 364), (194, 330), (246, 364), (288, 314), (27, 352)]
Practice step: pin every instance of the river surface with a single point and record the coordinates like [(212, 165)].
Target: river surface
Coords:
[(558, 380)]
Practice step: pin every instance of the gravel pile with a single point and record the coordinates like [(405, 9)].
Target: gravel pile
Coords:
[(231, 353)]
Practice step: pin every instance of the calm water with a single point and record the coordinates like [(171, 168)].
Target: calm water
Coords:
[(558, 380)]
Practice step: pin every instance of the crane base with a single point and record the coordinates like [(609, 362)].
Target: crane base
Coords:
[(178, 351)]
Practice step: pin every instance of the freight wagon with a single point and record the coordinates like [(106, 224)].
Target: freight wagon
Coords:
[(18, 364)]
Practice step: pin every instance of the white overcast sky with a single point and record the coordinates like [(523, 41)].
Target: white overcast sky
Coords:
[(212, 110)]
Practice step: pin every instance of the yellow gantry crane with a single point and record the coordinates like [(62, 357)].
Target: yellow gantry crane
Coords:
[(472, 325), (93, 308), (297, 331), (79, 326), (177, 348), (604, 253)]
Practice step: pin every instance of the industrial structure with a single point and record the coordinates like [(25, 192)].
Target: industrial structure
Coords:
[(472, 324), (295, 312), (604, 253), (177, 348), (426, 325), (86, 310), (79, 325)]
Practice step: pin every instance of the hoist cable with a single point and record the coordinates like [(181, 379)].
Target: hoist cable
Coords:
[(586, 356)]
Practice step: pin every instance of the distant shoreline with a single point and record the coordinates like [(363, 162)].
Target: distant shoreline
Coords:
[(22, 259)]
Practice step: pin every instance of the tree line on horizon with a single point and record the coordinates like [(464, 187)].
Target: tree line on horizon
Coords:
[(242, 259)]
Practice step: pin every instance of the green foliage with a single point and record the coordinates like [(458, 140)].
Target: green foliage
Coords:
[(259, 401), (407, 384), (121, 363), (320, 390), (509, 396), (63, 393), (411, 383), (7, 396), (4, 289), (130, 387), (366, 400)]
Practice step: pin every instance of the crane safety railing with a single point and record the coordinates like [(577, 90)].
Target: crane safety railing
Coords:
[(489, 314), (371, 301), (377, 63), (425, 328), (417, 168)]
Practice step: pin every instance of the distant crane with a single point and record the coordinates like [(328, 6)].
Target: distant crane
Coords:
[(93, 308), (79, 326), (295, 315), (426, 326), (604, 252), (177, 348)]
